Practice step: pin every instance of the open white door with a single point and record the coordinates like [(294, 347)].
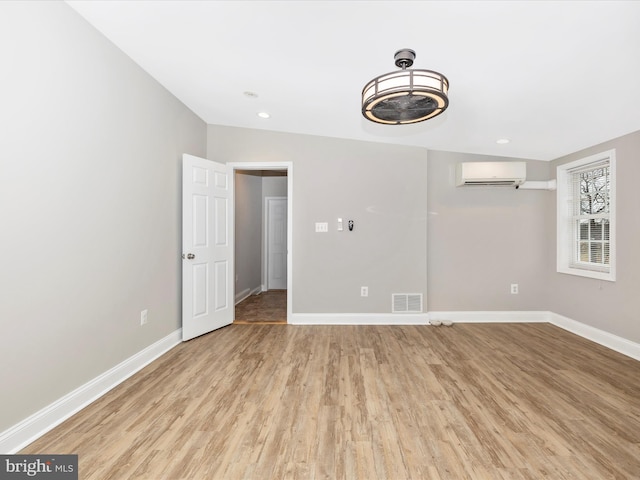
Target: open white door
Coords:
[(207, 241)]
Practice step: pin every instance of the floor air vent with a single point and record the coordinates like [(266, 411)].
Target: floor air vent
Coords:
[(406, 302)]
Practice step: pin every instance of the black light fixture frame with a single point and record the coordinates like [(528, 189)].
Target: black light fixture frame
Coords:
[(405, 96)]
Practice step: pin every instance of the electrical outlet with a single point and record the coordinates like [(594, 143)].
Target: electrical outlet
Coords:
[(144, 316), (514, 289), (364, 291)]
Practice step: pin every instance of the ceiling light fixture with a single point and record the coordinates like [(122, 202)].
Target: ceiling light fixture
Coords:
[(502, 141), (263, 115), (406, 96)]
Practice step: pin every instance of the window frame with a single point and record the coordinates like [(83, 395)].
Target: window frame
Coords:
[(567, 237)]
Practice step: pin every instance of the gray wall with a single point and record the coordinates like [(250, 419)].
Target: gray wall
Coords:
[(90, 175), (480, 239), (483, 238), (248, 231), (609, 306), (274, 186), (381, 187)]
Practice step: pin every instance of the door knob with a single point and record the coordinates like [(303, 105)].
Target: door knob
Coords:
[(189, 256)]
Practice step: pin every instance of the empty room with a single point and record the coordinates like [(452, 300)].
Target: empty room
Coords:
[(319, 239)]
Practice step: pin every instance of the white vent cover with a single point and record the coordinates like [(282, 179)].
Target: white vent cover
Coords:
[(491, 173), (406, 303)]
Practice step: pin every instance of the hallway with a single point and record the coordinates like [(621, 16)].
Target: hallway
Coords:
[(268, 307)]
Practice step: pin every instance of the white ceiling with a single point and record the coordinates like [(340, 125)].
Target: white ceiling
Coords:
[(554, 77)]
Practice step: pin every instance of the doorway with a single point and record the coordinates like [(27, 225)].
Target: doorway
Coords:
[(262, 248)]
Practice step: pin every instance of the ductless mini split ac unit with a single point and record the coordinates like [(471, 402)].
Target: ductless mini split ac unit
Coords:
[(512, 174)]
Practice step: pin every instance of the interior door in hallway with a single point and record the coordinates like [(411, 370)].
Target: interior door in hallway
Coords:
[(276, 235), (207, 247)]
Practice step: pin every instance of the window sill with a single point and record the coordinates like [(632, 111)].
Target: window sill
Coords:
[(608, 276)]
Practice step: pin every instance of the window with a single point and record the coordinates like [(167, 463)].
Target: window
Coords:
[(586, 217)]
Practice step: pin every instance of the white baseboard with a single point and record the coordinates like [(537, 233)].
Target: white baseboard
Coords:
[(36, 425), (359, 319), (492, 317), (606, 339)]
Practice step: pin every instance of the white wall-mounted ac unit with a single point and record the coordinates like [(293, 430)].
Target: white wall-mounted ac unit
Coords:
[(491, 173)]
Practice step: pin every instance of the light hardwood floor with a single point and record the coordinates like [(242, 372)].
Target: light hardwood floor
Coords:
[(472, 401)]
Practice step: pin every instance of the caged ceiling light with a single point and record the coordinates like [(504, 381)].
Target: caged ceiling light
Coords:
[(405, 96)]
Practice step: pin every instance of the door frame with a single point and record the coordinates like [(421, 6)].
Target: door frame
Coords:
[(285, 166)]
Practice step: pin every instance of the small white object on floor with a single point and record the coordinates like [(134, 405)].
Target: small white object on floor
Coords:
[(437, 323)]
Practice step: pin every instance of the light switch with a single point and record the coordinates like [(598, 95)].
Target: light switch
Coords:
[(322, 227), (340, 227)]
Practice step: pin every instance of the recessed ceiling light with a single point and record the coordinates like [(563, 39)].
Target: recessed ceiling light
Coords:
[(263, 115), (502, 141), (250, 94)]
